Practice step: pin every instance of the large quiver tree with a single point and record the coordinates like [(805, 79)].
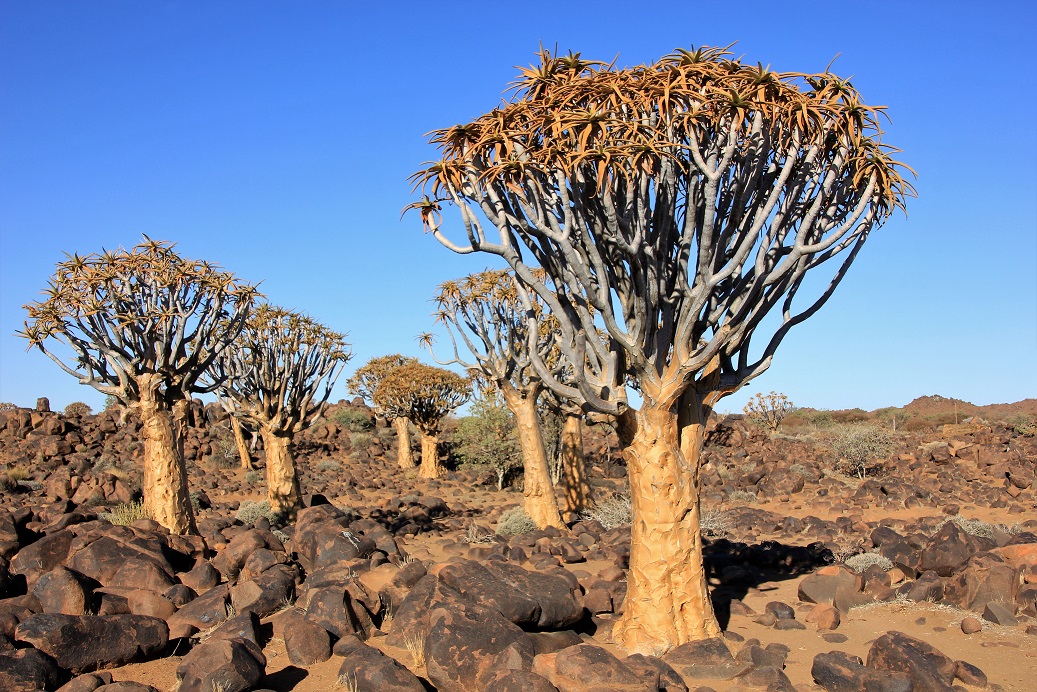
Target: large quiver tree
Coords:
[(675, 205), (424, 395), (485, 312), (364, 383), (279, 375), (143, 325)]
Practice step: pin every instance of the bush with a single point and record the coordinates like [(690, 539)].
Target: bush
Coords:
[(353, 420), (767, 411), (610, 512), (329, 465), (862, 561), (488, 437), (126, 513), (78, 409), (714, 524), (514, 522), (975, 527), (250, 511), (857, 444), (359, 442), (253, 477), (746, 497)]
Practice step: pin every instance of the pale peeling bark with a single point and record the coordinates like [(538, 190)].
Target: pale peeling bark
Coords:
[(239, 440), (667, 601), (576, 490), (430, 467), (166, 498), (403, 451), (282, 482), (540, 502)]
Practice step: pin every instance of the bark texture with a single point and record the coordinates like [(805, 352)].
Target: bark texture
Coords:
[(430, 467), (166, 497), (667, 601), (576, 489), (403, 451), (282, 482), (540, 502)]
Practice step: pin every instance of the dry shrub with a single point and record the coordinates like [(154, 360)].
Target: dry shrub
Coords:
[(77, 409), (610, 512), (856, 445), (514, 522), (768, 410), (125, 513)]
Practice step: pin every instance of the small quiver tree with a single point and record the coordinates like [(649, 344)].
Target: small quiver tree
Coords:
[(143, 326), (279, 375), (424, 395), (768, 410), (484, 310), (364, 383), (487, 437), (675, 205)]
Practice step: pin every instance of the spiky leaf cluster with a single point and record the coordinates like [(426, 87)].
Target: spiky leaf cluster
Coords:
[(421, 393), (674, 204), (144, 311), (281, 368), (364, 382)]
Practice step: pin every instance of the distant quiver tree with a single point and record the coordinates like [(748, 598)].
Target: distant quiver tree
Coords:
[(485, 313), (143, 325), (424, 395), (364, 383), (675, 205), (279, 375)]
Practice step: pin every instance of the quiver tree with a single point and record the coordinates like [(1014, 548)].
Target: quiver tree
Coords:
[(143, 325), (424, 395), (279, 375), (768, 410), (577, 494), (364, 383), (485, 312), (675, 205)]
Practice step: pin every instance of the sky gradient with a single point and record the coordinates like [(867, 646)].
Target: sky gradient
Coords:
[(276, 139)]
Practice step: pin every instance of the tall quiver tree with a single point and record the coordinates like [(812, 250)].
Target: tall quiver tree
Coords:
[(684, 201), (485, 312), (143, 326), (279, 375), (364, 383), (424, 395)]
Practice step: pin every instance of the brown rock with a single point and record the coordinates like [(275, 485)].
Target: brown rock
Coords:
[(927, 667), (233, 664), (588, 667), (305, 641), (824, 616), (372, 671), (61, 591), (27, 670), (837, 671), (84, 643), (706, 658), (970, 625), (969, 674)]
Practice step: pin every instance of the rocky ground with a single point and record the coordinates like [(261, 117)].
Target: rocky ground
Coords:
[(917, 571)]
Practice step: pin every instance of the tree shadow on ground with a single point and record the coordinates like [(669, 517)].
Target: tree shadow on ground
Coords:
[(739, 567)]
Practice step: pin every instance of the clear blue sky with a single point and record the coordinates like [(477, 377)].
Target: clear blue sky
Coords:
[(276, 139)]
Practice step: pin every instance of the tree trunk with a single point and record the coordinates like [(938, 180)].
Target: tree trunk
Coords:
[(166, 498), (403, 451), (239, 440), (667, 600), (282, 482), (576, 489), (429, 456), (540, 502)]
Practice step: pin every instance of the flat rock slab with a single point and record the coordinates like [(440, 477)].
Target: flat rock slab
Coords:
[(81, 643)]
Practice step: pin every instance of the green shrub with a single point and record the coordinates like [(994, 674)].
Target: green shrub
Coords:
[(856, 445), (488, 437), (78, 409), (515, 521), (610, 512), (126, 513), (353, 420), (224, 449)]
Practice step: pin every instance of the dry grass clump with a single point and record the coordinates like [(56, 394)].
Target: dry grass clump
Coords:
[(477, 534), (714, 524), (125, 513), (514, 522), (858, 444), (862, 561), (975, 527), (610, 512), (250, 511)]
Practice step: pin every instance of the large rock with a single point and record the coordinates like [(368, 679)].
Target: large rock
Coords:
[(38, 558), (949, 548), (369, 670), (587, 667), (305, 642), (335, 609), (841, 672), (84, 643), (62, 591), (984, 578), (230, 665), (467, 643), (203, 613), (103, 558), (657, 671), (323, 538), (28, 670), (267, 593), (706, 658), (928, 668)]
